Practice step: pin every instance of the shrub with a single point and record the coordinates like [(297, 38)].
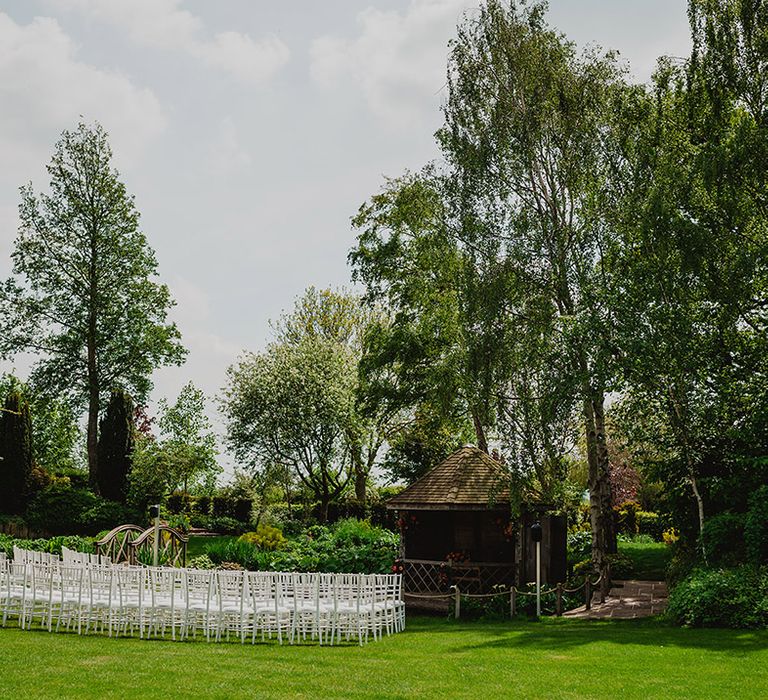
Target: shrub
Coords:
[(266, 538), (175, 503), (222, 507), (723, 539), (58, 509), (736, 597), (201, 562), (241, 509), (622, 567), (756, 527), (650, 524), (104, 515), (226, 526), (179, 522), (202, 505), (579, 545), (626, 517), (671, 535)]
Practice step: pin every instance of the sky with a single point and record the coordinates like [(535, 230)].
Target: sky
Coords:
[(250, 132)]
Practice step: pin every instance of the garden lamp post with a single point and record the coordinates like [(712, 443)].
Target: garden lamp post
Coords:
[(154, 513), (536, 535)]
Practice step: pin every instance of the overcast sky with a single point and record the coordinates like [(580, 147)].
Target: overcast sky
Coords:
[(251, 131)]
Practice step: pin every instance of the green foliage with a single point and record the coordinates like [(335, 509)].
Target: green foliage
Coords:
[(15, 454), (116, 440), (52, 545), (423, 443), (721, 598), (293, 404), (201, 562), (226, 526), (579, 545), (626, 517), (756, 527), (349, 546), (84, 292), (723, 539), (266, 538), (179, 522), (63, 509), (622, 566), (650, 524), (187, 438)]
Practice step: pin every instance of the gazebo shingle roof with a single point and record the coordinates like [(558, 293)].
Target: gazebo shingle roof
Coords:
[(466, 480)]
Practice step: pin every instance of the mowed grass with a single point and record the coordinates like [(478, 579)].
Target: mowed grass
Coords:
[(433, 658), (649, 560)]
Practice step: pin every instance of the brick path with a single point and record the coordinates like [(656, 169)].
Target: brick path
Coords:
[(626, 600)]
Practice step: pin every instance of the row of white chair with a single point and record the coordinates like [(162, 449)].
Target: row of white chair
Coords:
[(71, 556), (217, 604)]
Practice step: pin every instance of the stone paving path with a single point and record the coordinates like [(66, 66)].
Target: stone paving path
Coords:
[(626, 600)]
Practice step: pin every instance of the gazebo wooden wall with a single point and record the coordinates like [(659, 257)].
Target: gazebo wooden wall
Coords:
[(456, 530)]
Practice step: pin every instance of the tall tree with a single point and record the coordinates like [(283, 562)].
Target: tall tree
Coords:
[(524, 122), (15, 454), (84, 294), (292, 405), (116, 439), (341, 319), (187, 434), (689, 263), (441, 343), (55, 432)]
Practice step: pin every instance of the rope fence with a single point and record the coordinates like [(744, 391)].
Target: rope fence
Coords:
[(559, 590)]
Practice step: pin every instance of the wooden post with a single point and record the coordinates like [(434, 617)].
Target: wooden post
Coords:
[(457, 604), (512, 601), (587, 593), (559, 605)]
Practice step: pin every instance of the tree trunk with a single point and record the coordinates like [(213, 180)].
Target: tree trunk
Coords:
[(600, 509), (92, 438), (482, 441), (361, 481), (324, 502), (93, 418), (604, 471)]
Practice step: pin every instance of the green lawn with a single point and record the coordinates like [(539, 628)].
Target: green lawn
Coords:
[(433, 658), (650, 560)]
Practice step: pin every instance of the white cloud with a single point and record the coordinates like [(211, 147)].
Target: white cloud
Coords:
[(44, 89), (164, 24), (226, 153), (398, 60)]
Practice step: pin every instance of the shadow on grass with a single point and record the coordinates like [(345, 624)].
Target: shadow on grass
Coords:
[(558, 634)]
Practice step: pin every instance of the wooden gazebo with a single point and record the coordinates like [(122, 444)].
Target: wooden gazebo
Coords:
[(456, 529)]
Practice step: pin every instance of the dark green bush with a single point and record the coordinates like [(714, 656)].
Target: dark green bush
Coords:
[(241, 509), (104, 515), (622, 566), (756, 527), (650, 524), (202, 505), (52, 545), (736, 597), (223, 507), (175, 503), (227, 526), (61, 509), (58, 509), (723, 539), (579, 545)]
